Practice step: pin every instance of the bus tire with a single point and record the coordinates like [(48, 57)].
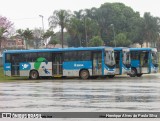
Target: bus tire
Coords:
[(34, 74), (84, 74), (133, 72), (111, 76), (139, 75)]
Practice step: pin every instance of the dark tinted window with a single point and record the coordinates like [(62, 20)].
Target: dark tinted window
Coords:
[(47, 56), (8, 58), (30, 57), (77, 56), (27, 57)]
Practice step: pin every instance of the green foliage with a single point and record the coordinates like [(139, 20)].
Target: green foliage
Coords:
[(151, 28), (96, 41), (27, 35), (53, 40), (48, 34), (84, 24), (59, 18), (121, 40)]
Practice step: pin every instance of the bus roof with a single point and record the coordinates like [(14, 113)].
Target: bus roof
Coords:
[(142, 49), (119, 48), (57, 49)]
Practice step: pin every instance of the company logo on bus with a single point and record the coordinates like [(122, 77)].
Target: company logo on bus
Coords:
[(37, 64), (78, 65), (25, 66)]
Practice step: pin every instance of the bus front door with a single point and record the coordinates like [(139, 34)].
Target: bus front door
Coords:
[(97, 63), (57, 64), (15, 65), (144, 66)]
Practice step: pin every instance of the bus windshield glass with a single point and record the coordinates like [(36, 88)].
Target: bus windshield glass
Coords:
[(126, 57), (110, 60), (154, 57)]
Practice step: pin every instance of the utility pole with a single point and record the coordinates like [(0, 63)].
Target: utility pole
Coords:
[(112, 25), (42, 22)]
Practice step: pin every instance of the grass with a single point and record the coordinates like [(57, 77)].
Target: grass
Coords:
[(4, 78)]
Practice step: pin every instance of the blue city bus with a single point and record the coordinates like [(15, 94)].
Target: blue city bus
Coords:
[(143, 61), (82, 62), (123, 61)]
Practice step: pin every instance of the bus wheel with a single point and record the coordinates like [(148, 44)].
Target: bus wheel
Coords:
[(111, 76), (139, 75), (84, 74), (133, 72), (34, 74)]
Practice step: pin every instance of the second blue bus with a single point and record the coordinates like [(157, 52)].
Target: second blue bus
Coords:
[(123, 61)]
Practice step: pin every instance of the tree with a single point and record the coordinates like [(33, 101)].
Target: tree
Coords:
[(151, 28), (5, 28), (87, 23), (27, 35), (121, 40), (50, 36), (37, 37), (53, 41), (59, 18), (96, 41), (81, 28), (120, 16)]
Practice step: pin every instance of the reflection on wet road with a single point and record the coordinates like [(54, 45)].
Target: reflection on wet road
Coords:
[(118, 94)]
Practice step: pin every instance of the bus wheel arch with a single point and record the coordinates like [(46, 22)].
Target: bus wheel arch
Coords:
[(133, 72), (84, 74), (33, 74)]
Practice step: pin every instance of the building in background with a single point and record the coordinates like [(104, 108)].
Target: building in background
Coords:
[(16, 42)]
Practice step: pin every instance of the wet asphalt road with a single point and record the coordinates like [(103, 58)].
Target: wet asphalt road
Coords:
[(121, 93)]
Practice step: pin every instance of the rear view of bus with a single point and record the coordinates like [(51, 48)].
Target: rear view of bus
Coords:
[(123, 61), (143, 61)]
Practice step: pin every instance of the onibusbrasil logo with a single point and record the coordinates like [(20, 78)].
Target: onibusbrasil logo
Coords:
[(38, 63)]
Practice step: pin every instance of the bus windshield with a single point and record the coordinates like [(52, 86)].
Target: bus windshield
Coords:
[(110, 60), (126, 57), (154, 57)]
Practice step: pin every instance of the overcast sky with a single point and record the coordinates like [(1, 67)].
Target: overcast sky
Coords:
[(25, 13)]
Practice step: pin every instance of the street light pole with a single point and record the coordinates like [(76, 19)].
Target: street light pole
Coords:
[(85, 31), (42, 22), (42, 41), (113, 35)]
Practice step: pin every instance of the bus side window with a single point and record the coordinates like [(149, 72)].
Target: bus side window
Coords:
[(30, 57), (8, 58), (134, 55), (70, 56), (83, 55), (45, 55)]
